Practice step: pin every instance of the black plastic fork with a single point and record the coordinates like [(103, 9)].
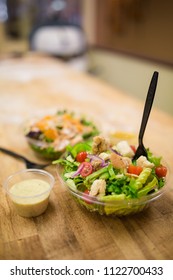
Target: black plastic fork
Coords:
[(29, 164), (141, 151)]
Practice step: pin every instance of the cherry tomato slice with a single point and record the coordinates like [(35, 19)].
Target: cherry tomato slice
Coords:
[(86, 169), (133, 148), (81, 156), (133, 169), (161, 171)]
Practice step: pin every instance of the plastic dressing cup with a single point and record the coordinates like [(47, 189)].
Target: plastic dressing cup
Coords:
[(29, 190)]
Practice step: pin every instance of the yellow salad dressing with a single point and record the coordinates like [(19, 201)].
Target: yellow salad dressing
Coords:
[(30, 197)]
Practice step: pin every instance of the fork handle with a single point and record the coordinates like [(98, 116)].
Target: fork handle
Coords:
[(11, 153), (148, 104)]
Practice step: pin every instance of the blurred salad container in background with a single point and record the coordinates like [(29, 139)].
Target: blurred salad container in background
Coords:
[(48, 136)]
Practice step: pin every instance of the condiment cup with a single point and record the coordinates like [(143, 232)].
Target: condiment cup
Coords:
[(29, 191)]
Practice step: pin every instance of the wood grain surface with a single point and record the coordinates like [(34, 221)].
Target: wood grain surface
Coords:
[(35, 85)]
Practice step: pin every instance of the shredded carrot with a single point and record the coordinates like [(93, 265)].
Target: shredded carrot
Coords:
[(44, 122), (48, 117), (67, 117), (69, 120), (51, 133), (41, 125)]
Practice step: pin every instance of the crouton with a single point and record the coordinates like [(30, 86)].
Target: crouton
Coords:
[(100, 144)]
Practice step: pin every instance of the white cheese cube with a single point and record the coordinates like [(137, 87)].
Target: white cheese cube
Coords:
[(124, 149), (104, 156)]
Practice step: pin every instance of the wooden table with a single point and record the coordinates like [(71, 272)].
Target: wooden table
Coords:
[(35, 84)]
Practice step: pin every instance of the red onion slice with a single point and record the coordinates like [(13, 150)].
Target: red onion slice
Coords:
[(77, 172), (115, 151), (94, 157)]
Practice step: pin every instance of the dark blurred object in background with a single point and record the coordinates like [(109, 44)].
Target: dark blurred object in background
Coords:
[(63, 40), (3, 11), (52, 27), (23, 15)]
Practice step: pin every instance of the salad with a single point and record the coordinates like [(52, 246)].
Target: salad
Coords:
[(50, 135), (107, 179)]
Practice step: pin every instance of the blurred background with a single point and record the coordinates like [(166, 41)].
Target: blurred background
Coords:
[(123, 41)]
